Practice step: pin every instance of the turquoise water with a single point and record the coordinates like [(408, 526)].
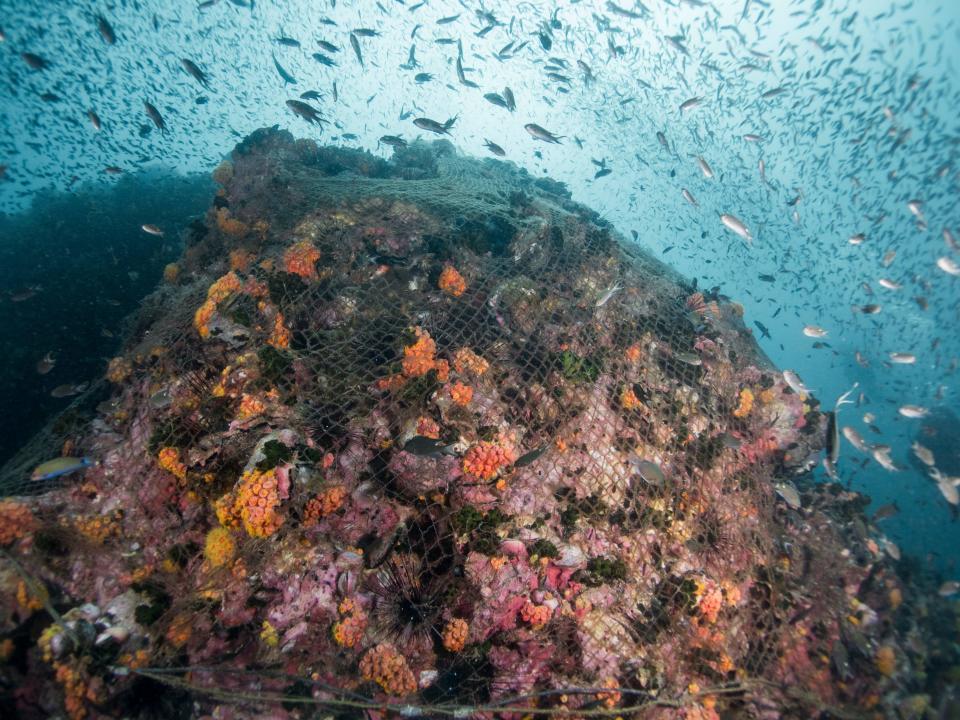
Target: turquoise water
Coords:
[(864, 124)]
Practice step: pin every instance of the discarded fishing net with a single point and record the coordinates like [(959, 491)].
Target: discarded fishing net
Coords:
[(426, 436)]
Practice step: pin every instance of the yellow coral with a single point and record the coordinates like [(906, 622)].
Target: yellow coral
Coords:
[(452, 282), (219, 547), (455, 635), (385, 666), (169, 459), (746, 403), (16, 521), (255, 503), (269, 635), (348, 631), (99, 528), (250, 406)]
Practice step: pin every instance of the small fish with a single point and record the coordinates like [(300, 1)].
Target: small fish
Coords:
[(94, 119), (891, 548), (328, 46), (494, 148), (871, 309), (287, 41), (914, 412), (59, 466), (767, 278), (736, 225), (365, 32), (789, 493), (543, 134), (889, 284), (690, 104), (151, 229), (902, 358), (531, 456), (106, 31), (608, 293), (794, 382), (46, 364), (949, 266), (324, 59), (750, 137), (154, 115), (950, 587), (68, 390), (423, 77), (112, 170), (704, 167), (195, 72), (881, 453), (602, 172), (34, 61), (355, 44), (393, 141), (307, 112), (649, 471), (428, 447), (773, 93), (287, 77), (885, 511), (311, 95), (924, 454), (855, 438), (814, 331), (435, 127), (857, 239), (688, 196)]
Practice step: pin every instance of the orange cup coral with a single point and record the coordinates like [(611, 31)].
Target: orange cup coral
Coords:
[(486, 459), (385, 666), (301, 259), (452, 282), (746, 403), (219, 547), (16, 521), (253, 504), (455, 635), (169, 459), (461, 394)]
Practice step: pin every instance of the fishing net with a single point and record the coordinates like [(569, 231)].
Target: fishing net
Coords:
[(426, 437)]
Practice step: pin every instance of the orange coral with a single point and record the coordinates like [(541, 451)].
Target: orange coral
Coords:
[(219, 547), (169, 459), (466, 360), (461, 394), (767, 396), (118, 370), (280, 337), (428, 427), (171, 273), (77, 689), (325, 503), (452, 282), (536, 615), (633, 353), (250, 406), (629, 399), (486, 459), (710, 600), (223, 173), (254, 504), (455, 635), (229, 225), (241, 259), (697, 303), (886, 660), (418, 359), (223, 287), (99, 528), (34, 598), (180, 630), (610, 697), (385, 666), (746, 403), (348, 631), (301, 259), (16, 521), (201, 318)]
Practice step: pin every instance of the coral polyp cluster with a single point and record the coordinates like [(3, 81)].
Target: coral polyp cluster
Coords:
[(379, 447)]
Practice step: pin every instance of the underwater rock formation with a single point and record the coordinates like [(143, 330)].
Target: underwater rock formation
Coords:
[(427, 433)]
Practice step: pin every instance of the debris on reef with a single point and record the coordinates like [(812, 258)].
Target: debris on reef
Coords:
[(376, 444)]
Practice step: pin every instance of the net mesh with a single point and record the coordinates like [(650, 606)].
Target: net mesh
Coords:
[(426, 437)]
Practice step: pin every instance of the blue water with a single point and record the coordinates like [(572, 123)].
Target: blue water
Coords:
[(865, 124)]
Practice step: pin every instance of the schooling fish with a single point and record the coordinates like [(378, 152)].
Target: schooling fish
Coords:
[(540, 133), (94, 119), (195, 72), (355, 44), (59, 466), (494, 148), (151, 229), (106, 31), (154, 115), (287, 77), (435, 127), (307, 112)]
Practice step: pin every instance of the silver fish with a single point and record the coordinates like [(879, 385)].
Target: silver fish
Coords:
[(736, 225), (543, 134)]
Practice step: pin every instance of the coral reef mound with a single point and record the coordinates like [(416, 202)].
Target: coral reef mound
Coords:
[(426, 436)]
